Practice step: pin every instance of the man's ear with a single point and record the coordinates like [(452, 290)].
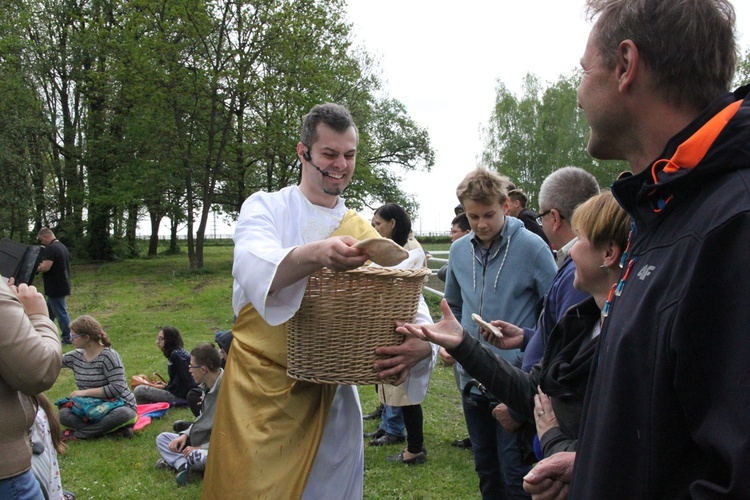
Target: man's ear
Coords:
[(301, 150), (557, 219), (626, 64)]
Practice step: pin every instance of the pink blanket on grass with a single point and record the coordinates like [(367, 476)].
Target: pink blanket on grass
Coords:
[(148, 411)]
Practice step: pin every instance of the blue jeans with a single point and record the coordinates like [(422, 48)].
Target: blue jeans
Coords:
[(497, 459), (21, 487), (56, 308), (393, 421)]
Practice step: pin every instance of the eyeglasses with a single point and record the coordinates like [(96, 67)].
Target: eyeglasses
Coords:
[(160, 339), (75, 335), (195, 367), (541, 216)]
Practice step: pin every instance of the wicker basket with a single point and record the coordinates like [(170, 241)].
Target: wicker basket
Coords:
[(344, 316)]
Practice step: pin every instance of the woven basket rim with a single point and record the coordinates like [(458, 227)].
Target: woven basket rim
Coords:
[(383, 271)]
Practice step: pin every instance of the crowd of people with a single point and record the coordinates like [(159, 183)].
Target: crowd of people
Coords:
[(613, 364)]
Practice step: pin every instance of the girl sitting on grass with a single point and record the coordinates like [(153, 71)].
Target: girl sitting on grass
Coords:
[(170, 343), (99, 373)]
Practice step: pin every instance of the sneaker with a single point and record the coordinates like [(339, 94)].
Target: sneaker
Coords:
[(181, 425), (375, 414), (186, 477), (161, 464), (386, 440), (66, 342), (374, 435), (68, 435), (126, 432), (462, 443)]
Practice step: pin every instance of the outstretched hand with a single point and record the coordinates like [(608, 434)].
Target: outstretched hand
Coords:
[(448, 333)]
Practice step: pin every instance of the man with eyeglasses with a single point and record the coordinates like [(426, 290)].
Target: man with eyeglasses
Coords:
[(186, 452)]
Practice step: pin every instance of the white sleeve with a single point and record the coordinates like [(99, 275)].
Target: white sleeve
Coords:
[(419, 378), (262, 240)]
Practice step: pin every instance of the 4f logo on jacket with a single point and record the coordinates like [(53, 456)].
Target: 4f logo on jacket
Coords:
[(645, 272)]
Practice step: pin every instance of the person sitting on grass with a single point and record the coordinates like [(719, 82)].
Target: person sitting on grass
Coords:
[(99, 373), (186, 452), (169, 341), (223, 339)]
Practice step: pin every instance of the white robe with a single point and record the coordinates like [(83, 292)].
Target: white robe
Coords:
[(270, 226)]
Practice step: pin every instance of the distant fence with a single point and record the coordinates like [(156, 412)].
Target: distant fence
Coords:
[(434, 271), (183, 237)]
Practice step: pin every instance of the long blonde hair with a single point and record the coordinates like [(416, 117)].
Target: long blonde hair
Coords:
[(54, 423)]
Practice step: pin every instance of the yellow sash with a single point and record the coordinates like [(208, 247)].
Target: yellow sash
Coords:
[(268, 426)]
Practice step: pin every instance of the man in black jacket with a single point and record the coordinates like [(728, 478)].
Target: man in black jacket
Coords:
[(517, 200), (667, 411)]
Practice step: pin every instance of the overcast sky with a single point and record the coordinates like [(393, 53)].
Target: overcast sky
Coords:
[(443, 61)]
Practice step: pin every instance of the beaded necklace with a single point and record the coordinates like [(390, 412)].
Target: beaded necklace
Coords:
[(616, 289)]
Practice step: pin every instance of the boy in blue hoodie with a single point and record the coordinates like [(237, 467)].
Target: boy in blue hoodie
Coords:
[(499, 270)]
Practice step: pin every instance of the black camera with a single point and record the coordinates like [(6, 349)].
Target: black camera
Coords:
[(19, 261)]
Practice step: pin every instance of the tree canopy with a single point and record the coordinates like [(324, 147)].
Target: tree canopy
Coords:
[(531, 135), (121, 110)]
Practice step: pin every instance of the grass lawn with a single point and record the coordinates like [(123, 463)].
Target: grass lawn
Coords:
[(133, 298)]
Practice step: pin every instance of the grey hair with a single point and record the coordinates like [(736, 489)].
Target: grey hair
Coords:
[(565, 189)]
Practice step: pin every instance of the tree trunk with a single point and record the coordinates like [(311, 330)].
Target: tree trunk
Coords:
[(153, 241)]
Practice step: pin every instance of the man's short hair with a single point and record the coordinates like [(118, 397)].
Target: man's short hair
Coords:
[(689, 45), (565, 189), (518, 195), (483, 186), (45, 232), (333, 115), (206, 355), (461, 221)]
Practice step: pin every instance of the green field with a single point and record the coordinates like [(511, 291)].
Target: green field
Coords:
[(133, 298)]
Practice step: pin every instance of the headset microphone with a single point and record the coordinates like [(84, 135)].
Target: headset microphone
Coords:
[(306, 156), (322, 172)]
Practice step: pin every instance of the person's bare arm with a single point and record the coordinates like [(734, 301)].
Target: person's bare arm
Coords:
[(44, 266)]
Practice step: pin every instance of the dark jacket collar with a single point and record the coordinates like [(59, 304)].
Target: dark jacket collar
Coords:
[(646, 199)]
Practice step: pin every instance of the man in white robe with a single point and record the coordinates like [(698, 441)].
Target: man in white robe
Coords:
[(281, 238)]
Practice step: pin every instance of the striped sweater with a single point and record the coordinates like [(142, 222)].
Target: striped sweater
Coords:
[(105, 371)]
